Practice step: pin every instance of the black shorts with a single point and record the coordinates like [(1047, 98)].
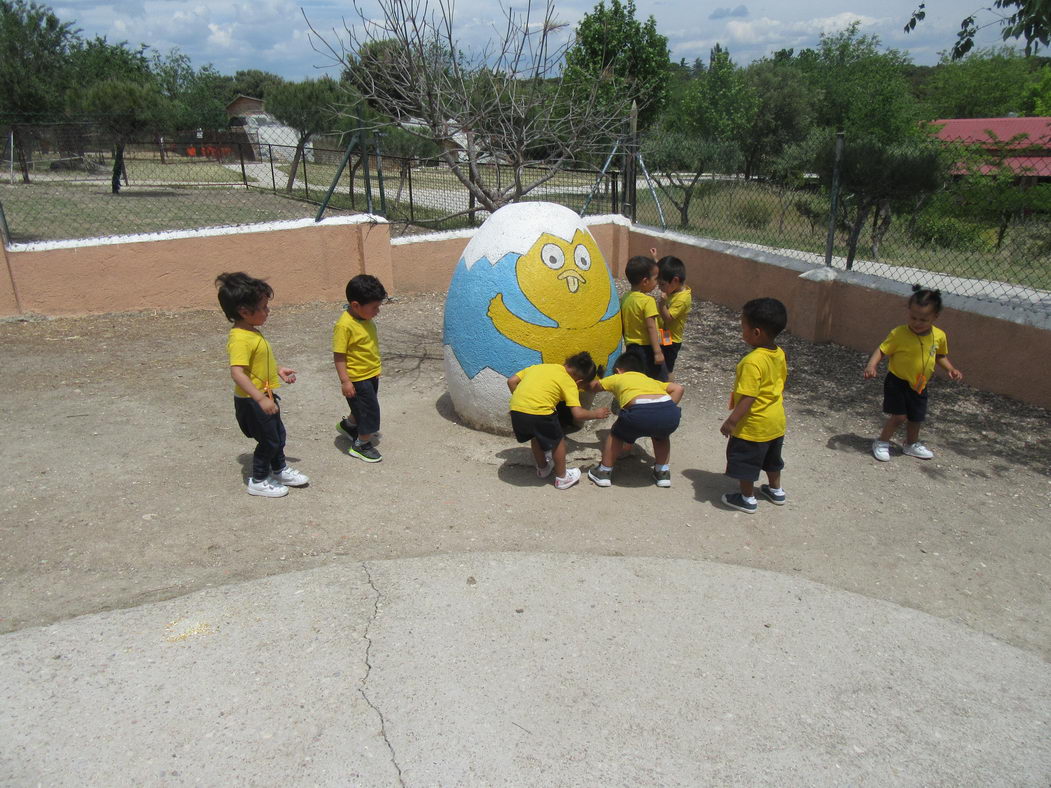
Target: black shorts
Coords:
[(649, 368), (365, 405), (745, 459), (646, 420), (671, 352), (900, 399), (544, 428)]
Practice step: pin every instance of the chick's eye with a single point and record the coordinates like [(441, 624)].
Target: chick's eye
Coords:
[(582, 257), (553, 256)]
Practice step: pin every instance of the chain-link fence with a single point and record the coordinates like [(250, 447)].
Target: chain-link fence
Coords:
[(982, 228), (965, 217)]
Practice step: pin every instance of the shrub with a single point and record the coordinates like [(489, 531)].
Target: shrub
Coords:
[(755, 214), (947, 232)]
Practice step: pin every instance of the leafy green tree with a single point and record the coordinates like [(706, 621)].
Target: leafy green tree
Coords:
[(197, 96), (784, 111), (253, 82), (627, 58), (34, 47), (125, 110), (874, 175), (309, 107), (1029, 20), (988, 83)]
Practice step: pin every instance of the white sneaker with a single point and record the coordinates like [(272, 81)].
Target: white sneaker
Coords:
[(565, 482), (918, 450), (290, 476), (881, 450), (268, 488)]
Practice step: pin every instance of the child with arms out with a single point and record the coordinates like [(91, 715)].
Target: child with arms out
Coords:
[(639, 314), (245, 301), (756, 425), (674, 307), (914, 350), (648, 409), (356, 356), (536, 392)]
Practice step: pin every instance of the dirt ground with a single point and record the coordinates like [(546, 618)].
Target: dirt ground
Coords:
[(124, 473)]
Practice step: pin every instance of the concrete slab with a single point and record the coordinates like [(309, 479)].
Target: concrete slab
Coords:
[(516, 668)]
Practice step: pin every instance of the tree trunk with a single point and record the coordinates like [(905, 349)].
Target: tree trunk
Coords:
[(855, 232), (118, 168), (294, 168), (23, 160), (880, 225)]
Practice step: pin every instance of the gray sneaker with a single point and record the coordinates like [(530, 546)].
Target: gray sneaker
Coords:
[(661, 478), (778, 498), (600, 477), (349, 430), (364, 451)]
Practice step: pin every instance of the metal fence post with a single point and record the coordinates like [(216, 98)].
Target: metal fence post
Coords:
[(273, 175), (306, 183), (833, 199), (412, 215), (241, 153)]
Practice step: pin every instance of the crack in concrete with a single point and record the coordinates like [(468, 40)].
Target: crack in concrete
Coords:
[(368, 670)]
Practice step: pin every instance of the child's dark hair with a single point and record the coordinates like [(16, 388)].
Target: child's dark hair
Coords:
[(638, 268), (365, 289), (671, 267), (583, 363), (239, 291), (628, 362), (924, 297), (767, 314)]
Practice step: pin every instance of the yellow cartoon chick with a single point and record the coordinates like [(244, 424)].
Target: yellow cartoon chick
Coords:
[(568, 282)]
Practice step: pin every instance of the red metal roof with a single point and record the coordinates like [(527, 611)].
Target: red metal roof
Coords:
[(977, 130)]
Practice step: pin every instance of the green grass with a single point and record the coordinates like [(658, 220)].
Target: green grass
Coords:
[(731, 211), (47, 212)]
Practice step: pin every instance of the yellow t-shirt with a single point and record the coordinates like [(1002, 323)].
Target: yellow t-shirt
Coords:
[(635, 307), (250, 349), (761, 374), (678, 305), (628, 385), (542, 387), (357, 339), (913, 357)]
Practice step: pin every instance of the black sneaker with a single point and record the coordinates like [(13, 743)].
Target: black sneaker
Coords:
[(600, 477), (364, 451), (348, 429), (661, 478), (778, 498), (737, 501)]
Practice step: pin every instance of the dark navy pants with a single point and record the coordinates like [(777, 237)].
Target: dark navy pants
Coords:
[(267, 431)]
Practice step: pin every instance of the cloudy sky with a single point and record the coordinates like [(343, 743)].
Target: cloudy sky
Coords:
[(272, 35)]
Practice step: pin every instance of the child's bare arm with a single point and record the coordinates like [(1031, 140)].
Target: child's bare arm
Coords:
[(345, 383), (584, 415), (944, 363), (744, 404), (873, 362), (287, 374), (662, 307), (244, 380), (655, 340), (512, 382), (675, 391)]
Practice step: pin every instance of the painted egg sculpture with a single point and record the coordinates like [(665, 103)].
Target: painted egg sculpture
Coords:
[(531, 287)]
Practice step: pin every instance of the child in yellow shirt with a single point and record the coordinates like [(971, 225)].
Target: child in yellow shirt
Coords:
[(914, 350), (356, 356), (756, 425), (674, 307), (536, 393), (245, 301), (649, 408), (639, 316)]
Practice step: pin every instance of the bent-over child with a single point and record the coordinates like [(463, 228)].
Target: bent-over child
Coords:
[(674, 307), (649, 408), (914, 350), (639, 315), (356, 356), (536, 392), (756, 426), (245, 301)]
